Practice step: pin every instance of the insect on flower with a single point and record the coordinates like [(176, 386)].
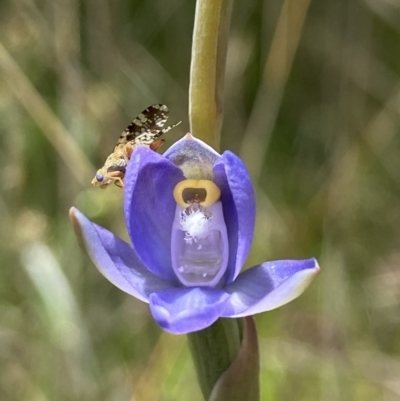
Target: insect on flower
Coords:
[(145, 130)]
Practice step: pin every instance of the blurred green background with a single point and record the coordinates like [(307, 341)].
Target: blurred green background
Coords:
[(312, 105)]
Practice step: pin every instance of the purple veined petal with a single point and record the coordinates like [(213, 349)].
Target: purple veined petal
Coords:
[(116, 259), (184, 310), (237, 197), (193, 145), (194, 157), (269, 285), (150, 208)]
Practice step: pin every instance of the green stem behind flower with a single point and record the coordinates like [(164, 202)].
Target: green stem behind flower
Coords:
[(207, 72), (213, 350)]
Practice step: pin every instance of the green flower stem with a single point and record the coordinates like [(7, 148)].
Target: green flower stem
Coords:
[(207, 71), (213, 350)]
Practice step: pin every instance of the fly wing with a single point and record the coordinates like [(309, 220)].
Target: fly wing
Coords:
[(147, 125)]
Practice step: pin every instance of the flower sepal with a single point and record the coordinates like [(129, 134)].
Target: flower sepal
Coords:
[(226, 356), (241, 380)]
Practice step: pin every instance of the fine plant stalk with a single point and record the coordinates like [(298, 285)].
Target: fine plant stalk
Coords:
[(207, 71), (216, 347), (213, 350)]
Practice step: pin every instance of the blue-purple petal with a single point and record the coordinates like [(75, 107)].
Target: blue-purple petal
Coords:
[(150, 208), (268, 286), (237, 197), (116, 259), (191, 148), (184, 310)]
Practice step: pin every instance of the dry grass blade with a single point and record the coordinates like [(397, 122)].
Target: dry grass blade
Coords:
[(166, 352), (276, 72), (44, 117)]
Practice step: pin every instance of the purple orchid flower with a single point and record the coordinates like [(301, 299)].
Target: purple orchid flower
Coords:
[(190, 215)]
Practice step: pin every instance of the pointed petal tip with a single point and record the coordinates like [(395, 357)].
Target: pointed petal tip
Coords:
[(115, 259), (316, 266), (74, 217), (72, 214), (189, 143), (189, 137), (269, 286)]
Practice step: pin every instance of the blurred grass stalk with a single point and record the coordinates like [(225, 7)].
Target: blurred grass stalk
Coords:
[(53, 129), (216, 348), (277, 68), (207, 70)]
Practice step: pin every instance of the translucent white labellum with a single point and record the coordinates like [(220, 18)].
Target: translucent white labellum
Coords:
[(199, 244)]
